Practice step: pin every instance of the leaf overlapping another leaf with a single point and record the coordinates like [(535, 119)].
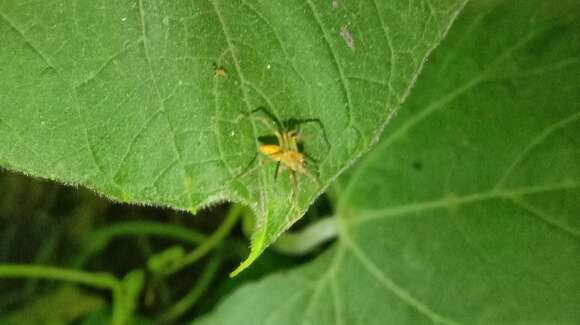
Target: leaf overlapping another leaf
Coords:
[(122, 97), (467, 211)]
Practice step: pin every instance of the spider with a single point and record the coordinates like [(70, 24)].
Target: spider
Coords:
[(286, 149)]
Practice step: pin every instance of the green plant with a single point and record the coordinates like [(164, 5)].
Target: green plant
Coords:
[(465, 212)]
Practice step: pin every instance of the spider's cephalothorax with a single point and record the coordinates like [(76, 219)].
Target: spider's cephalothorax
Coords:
[(286, 152)]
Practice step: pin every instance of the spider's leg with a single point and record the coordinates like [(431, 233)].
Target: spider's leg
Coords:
[(269, 114), (250, 169), (314, 178), (272, 119), (309, 158), (267, 124), (276, 172), (292, 139), (296, 123), (294, 184), (313, 165)]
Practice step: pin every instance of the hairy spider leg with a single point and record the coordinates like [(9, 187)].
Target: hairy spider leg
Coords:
[(272, 151), (313, 178), (270, 115), (276, 172), (294, 138), (294, 181), (291, 174), (296, 123), (270, 127), (291, 125), (249, 169), (267, 123)]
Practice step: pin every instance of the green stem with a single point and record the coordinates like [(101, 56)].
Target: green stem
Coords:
[(212, 242), (97, 280), (188, 301), (308, 239), (101, 238)]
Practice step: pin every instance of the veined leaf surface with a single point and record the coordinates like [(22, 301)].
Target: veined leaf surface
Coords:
[(468, 210), (148, 101)]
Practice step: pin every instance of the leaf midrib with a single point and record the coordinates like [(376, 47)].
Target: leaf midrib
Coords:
[(434, 107), (451, 201)]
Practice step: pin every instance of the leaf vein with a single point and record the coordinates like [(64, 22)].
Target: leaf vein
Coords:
[(161, 110), (335, 61), (543, 135), (432, 108), (394, 288), (51, 65), (281, 46), (105, 64), (452, 202), (216, 117), (544, 217), (231, 47)]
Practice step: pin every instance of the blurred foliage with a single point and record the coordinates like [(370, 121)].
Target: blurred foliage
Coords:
[(43, 223)]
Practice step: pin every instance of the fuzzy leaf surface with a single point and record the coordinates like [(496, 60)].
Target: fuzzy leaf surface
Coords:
[(148, 102)]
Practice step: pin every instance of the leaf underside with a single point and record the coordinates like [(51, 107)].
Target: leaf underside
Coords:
[(147, 102), (467, 210)]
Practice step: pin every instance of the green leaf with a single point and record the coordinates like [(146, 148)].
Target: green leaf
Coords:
[(148, 101), (467, 211)]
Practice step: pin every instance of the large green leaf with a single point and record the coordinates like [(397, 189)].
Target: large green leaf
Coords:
[(468, 210), (148, 101)]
